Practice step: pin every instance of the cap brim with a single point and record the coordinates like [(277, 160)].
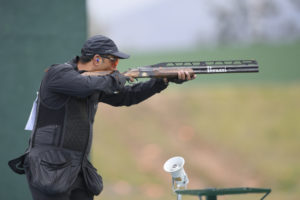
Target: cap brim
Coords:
[(120, 55)]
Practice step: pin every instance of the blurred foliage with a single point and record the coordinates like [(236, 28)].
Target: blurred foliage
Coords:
[(239, 130)]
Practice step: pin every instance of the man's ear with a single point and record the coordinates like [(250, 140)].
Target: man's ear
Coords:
[(96, 59)]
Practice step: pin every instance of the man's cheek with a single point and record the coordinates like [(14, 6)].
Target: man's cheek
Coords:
[(116, 63)]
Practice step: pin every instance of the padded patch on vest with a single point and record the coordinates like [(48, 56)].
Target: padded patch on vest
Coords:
[(77, 125)]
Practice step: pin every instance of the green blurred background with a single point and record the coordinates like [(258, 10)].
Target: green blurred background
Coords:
[(234, 130), (34, 34)]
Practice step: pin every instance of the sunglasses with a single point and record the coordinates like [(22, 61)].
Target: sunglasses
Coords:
[(110, 57)]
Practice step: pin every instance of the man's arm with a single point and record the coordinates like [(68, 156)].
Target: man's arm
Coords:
[(139, 92), (134, 94), (65, 80)]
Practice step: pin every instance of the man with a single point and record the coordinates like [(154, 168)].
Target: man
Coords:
[(56, 163)]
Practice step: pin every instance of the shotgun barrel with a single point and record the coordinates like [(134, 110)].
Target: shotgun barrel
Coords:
[(170, 69)]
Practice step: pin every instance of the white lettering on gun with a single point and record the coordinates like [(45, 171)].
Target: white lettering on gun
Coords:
[(211, 70)]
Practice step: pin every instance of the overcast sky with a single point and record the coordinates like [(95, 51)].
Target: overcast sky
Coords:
[(108, 9), (152, 24)]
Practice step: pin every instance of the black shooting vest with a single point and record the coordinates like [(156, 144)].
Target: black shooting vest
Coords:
[(68, 127), (59, 147)]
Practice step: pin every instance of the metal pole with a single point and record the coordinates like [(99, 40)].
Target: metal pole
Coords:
[(179, 196)]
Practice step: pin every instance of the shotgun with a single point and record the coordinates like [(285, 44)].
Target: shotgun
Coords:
[(170, 69)]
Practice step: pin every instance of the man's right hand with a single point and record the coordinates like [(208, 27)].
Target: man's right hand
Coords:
[(120, 78)]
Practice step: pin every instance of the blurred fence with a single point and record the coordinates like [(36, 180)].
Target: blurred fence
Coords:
[(33, 35)]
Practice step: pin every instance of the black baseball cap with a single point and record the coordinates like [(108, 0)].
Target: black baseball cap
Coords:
[(101, 45)]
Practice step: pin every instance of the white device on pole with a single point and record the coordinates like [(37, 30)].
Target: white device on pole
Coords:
[(175, 167)]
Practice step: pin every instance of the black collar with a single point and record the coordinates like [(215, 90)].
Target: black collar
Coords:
[(74, 63)]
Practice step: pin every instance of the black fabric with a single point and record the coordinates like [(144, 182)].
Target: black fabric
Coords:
[(47, 135), (134, 94), (100, 44), (176, 80), (120, 78), (77, 127), (49, 116), (62, 81), (63, 137), (17, 164), (78, 191), (92, 179), (52, 170)]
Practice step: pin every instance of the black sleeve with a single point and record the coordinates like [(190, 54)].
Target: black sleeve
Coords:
[(66, 80), (134, 94)]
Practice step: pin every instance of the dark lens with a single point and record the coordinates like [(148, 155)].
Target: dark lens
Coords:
[(110, 57)]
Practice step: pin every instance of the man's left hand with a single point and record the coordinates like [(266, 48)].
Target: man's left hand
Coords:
[(182, 76)]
